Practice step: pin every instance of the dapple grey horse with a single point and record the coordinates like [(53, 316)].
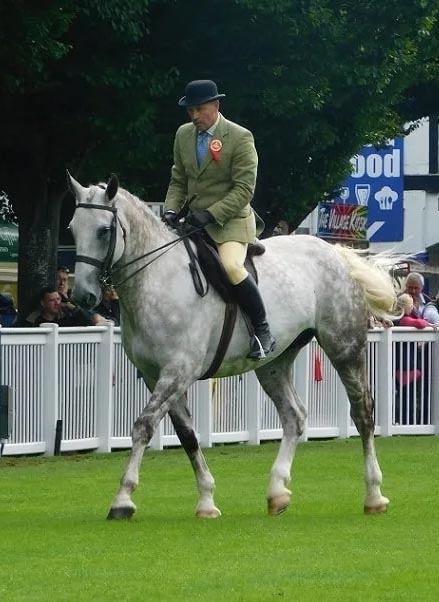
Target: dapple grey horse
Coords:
[(311, 289)]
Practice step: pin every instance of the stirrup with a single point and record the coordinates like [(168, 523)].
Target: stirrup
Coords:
[(258, 352)]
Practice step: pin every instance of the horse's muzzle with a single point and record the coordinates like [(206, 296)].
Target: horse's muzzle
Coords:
[(84, 299)]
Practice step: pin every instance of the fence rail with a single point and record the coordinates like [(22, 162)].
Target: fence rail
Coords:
[(83, 377)]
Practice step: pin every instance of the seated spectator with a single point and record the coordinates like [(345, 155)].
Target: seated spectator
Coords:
[(62, 284), (431, 311), (67, 303), (8, 313), (51, 310), (410, 318), (109, 305), (414, 286), (410, 358)]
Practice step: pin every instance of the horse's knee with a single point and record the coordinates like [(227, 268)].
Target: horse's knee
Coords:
[(143, 429)]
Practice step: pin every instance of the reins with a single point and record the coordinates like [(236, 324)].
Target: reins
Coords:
[(168, 246), (105, 266)]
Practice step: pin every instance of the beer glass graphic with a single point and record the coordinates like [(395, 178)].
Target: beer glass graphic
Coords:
[(344, 194), (362, 192)]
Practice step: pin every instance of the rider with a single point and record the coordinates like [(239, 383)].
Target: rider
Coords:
[(215, 165)]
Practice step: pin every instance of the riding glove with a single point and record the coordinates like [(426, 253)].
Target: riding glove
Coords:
[(170, 218), (200, 219)]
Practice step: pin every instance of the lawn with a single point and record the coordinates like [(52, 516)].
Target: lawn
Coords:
[(55, 543)]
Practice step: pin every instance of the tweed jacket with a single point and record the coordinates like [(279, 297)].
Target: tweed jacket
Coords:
[(223, 184)]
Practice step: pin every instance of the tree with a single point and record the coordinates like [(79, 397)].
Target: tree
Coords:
[(75, 91)]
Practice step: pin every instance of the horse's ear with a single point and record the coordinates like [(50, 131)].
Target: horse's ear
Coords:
[(75, 187), (112, 187)]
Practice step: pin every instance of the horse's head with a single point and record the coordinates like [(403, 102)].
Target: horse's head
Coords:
[(98, 235)]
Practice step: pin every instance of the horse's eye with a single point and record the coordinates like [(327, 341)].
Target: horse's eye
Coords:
[(102, 232)]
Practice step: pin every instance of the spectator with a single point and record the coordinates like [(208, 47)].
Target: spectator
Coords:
[(431, 311), (410, 318), (8, 313), (109, 306), (51, 310), (409, 359), (414, 286), (67, 304), (62, 284)]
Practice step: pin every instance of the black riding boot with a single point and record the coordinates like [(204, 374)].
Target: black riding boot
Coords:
[(250, 301)]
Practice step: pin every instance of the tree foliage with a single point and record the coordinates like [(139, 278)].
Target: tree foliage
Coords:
[(92, 85)]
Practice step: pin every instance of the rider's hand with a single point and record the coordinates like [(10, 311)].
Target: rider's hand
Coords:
[(170, 218), (200, 219)]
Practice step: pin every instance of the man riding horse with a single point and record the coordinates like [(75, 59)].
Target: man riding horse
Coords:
[(215, 165)]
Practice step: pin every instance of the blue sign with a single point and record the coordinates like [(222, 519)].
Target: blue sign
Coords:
[(377, 181)]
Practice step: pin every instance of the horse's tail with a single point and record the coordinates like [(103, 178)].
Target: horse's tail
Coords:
[(373, 276)]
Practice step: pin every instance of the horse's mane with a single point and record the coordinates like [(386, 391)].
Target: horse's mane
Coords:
[(150, 217), (373, 275)]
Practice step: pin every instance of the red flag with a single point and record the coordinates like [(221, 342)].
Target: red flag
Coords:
[(318, 371)]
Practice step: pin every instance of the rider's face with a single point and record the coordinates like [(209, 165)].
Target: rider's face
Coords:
[(204, 116)]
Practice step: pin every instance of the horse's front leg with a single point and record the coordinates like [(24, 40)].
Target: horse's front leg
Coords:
[(166, 392), (182, 422)]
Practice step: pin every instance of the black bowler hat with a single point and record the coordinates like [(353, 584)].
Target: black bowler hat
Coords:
[(199, 92)]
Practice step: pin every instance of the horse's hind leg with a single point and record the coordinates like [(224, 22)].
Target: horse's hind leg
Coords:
[(352, 371), (276, 380), (182, 422)]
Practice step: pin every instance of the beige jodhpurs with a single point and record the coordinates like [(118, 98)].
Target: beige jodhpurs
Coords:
[(232, 255)]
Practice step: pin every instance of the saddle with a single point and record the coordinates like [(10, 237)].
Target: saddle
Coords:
[(208, 261)]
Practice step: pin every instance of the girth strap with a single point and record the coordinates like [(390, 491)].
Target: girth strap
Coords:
[(226, 334)]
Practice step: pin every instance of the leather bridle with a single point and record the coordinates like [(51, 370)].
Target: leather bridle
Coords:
[(104, 266)]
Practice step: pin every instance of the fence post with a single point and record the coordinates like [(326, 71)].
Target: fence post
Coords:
[(204, 403), (104, 393), (253, 409), (50, 387), (435, 384), (384, 401), (302, 368)]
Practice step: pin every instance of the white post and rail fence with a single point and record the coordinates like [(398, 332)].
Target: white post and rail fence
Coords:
[(81, 380)]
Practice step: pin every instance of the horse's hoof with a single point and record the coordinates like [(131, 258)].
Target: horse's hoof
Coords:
[(278, 503), (375, 509), (212, 513), (378, 508), (124, 512)]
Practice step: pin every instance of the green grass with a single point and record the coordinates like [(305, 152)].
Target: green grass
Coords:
[(55, 544)]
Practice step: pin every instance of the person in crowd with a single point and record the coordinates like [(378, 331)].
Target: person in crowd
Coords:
[(410, 357), (414, 286), (109, 305), (214, 175), (8, 313), (431, 310), (51, 309), (67, 304), (410, 316)]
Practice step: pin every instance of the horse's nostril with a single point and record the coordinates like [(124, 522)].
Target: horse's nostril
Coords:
[(90, 301)]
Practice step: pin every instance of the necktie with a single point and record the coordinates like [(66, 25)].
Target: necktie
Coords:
[(202, 146)]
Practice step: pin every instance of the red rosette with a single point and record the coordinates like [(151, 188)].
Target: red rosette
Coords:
[(215, 148)]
